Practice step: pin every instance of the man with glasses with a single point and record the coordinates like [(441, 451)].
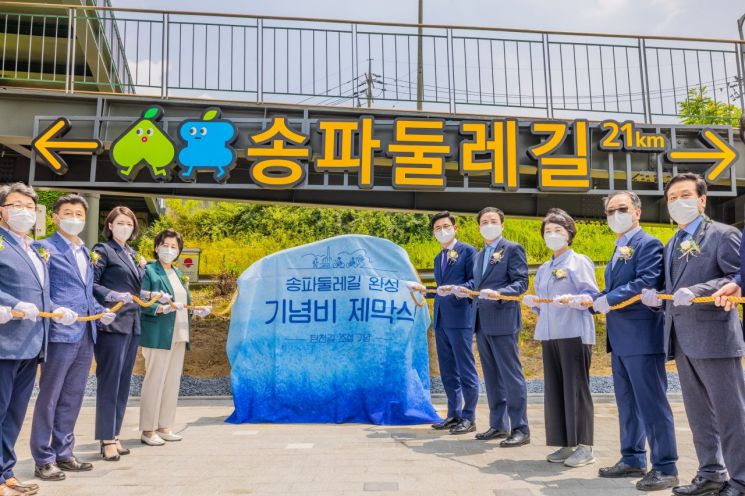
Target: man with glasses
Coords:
[(453, 325), (636, 343), (24, 287), (706, 341)]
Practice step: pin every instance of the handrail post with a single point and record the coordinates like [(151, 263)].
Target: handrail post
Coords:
[(547, 77), (355, 62), (259, 60), (70, 62), (164, 57), (644, 73), (451, 71)]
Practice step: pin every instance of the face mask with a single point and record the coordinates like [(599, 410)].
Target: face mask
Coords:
[(555, 241), (21, 220), (620, 222), (167, 255), (122, 233), (72, 226), (490, 232), (445, 235), (684, 211)]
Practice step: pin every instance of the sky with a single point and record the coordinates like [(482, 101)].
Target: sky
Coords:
[(692, 18)]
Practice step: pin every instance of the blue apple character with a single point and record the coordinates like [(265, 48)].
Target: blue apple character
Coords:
[(208, 146)]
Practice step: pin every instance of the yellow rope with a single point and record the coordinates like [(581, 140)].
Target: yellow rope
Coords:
[(114, 309), (623, 304)]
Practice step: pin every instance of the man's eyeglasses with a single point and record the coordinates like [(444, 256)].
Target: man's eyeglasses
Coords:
[(443, 227), (611, 211), (19, 206)]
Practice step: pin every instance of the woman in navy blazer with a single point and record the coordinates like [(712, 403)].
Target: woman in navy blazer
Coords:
[(118, 275)]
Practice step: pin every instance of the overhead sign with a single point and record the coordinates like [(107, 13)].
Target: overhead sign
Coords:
[(280, 155)]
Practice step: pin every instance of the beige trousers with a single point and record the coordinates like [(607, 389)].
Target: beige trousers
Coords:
[(160, 387)]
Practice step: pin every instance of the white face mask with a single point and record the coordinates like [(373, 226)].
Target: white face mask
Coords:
[(555, 241), (684, 211), (620, 222), (490, 232), (21, 220), (122, 233), (167, 255), (72, 226), (445, 235)]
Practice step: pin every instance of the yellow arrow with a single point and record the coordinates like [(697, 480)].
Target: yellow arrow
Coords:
[(49, 142), (722, 154)]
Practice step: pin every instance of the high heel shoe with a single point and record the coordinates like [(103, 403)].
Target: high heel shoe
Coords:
[(114, 458), (122, 451)]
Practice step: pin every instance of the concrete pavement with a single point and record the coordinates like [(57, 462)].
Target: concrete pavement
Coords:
[(222, 459)]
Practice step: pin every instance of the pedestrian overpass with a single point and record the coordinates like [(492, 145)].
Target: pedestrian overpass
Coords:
[(149, 103)]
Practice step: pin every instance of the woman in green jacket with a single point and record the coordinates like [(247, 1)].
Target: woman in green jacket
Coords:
[(164, 340)]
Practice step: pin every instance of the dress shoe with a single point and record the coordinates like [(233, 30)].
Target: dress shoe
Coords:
[(657, 481), (74, 465), (169, 436), (113, 458), (517, 438), (699, 487), (492, 433), (621, 469), (730, 490), (153, 440), (9, 491), (27, 488), (463, 427), (446, 424), (121, 449), (49, 472)]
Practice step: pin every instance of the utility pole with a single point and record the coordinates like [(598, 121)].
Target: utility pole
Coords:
[(419, 61), (369, 81), (741, 82)]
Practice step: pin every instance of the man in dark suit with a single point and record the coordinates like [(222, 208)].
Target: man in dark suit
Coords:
[(706, 341), (636, 344), (24, 287), (70, 350), (454, 327), (501, 268)]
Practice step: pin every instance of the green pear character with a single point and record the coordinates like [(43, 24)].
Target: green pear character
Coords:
[(144, 143)]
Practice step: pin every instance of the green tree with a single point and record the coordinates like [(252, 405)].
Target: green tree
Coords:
[(700, 108)]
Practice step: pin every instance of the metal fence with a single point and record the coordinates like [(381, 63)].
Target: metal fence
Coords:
[(350, 63)]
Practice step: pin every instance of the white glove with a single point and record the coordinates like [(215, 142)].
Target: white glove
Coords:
[(68, 317), (444, 290), (649, 298), (30, 312), (5, 315), (459, 292), (202, 311), (562, 301), (415, 286), (172, 308), (531, 301), (601, 305), (107, 318), (683, 297), (115, 296), (576, 301), (160, 296), (488, 294)]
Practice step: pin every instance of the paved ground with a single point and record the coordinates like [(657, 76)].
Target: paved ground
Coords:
[(221, 459)]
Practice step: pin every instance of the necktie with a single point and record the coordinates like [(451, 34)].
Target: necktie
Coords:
[(487, 258), (676, 260), (443, 260)]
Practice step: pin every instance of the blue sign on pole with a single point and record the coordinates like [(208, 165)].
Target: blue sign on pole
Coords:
[(328, 333)]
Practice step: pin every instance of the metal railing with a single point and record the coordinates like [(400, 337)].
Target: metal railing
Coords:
[(353, 63)]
